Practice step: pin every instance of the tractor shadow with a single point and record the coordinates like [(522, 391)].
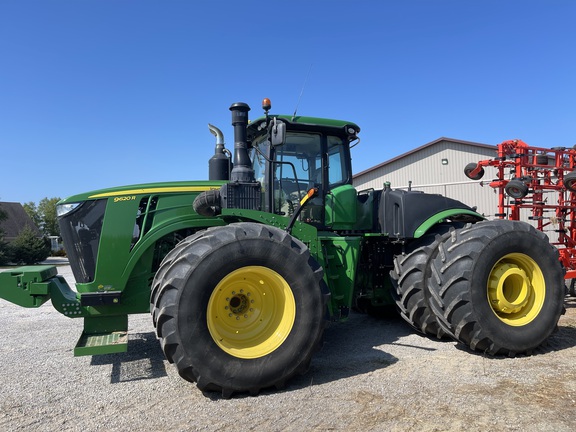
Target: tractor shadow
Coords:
[(352, 348), (565, 335), (355, 347), (348, 349), (144, 360)]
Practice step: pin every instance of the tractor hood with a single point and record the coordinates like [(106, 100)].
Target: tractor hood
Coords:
[(127, 192), (119, 218)]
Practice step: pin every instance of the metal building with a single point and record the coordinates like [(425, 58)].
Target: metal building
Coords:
[(437, 167)]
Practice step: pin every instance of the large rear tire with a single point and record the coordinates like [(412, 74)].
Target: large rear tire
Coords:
[(239, 308), (409, 278), (497, 286)]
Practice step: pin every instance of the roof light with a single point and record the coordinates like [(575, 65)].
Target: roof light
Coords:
[(266, 104)]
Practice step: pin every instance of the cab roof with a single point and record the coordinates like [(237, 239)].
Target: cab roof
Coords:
[(304, 123)]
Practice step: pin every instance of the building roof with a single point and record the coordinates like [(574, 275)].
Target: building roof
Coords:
[(430, 144), (17, 219)]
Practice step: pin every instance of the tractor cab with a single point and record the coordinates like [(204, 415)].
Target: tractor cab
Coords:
[(306, 160), (311, 154), (281, 162)]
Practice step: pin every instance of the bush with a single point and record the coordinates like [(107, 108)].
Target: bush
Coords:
[(4, 248), (28, 248), (59, 253), (5, 253)]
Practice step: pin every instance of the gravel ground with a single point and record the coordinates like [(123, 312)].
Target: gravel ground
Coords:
[(371, 375)]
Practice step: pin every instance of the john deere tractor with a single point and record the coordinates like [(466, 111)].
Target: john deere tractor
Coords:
[(242, 272)]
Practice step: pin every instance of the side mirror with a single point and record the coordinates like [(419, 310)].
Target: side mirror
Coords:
[(277, 132)]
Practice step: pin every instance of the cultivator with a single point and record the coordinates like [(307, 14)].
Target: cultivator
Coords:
[(538, 184)]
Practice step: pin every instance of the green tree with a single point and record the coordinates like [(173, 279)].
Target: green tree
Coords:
[(47, 212), (4, 248), (28, 248), (44, 215), (32, 210)]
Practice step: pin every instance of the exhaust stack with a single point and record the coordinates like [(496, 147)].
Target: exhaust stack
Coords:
[(219, 164)]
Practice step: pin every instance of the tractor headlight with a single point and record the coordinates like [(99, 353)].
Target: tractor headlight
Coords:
[(64, 209)]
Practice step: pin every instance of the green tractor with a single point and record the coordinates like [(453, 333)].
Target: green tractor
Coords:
[(242, 272)]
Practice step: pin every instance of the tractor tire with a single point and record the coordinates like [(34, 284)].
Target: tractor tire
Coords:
[(239, 308), (409, 278), (497, 286)]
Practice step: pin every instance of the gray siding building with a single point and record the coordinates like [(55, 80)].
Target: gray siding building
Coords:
[(16, 220), (438, 167)]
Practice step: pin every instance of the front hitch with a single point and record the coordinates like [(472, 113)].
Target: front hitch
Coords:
[(27, 286)]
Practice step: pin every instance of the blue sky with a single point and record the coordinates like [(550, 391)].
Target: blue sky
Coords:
[(99, 93)]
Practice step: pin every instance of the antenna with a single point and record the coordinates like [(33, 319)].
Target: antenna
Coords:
[(301, 92)]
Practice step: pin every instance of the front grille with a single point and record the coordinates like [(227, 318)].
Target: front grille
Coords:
[(81, 230)]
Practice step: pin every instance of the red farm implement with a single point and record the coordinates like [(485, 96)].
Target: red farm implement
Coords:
[(538, 184)]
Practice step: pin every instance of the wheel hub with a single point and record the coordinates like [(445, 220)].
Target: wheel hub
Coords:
[(516, 289), (239, 304), (509, 288), (251, 312)]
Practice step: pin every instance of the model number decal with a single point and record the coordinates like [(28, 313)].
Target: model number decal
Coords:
[(125, 198)]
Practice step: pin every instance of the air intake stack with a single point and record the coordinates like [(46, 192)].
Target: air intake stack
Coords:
[(242, 171), (243, 191)]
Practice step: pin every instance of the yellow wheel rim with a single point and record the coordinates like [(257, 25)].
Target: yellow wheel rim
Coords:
[(516, 289), (251, 312)]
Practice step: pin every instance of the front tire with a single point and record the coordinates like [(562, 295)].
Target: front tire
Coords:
[(497, 286), (239, 308)]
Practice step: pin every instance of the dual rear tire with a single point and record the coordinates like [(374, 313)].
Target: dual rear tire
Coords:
[(495, 286), (409, 277)]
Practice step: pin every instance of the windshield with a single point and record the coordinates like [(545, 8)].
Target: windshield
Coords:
[(301, 158), (299, 161), (306, 160)]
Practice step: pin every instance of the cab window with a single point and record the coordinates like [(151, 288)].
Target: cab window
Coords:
[(337, 167)]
